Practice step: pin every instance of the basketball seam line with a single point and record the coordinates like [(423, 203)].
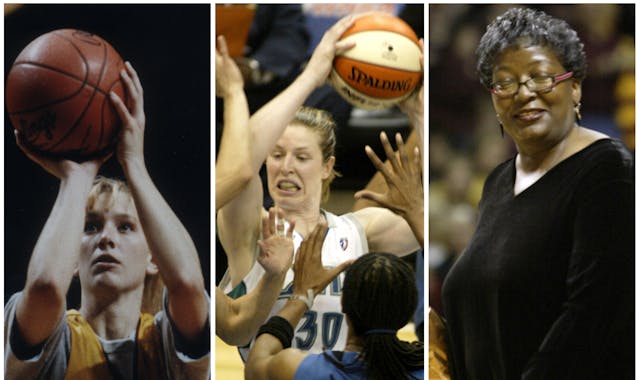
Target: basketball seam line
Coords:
[(66, 74), (93, 94), (84, 83), (380, 65), (376, 64), (386, 30)]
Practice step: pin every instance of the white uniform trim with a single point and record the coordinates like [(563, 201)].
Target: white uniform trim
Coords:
[(324, 326)]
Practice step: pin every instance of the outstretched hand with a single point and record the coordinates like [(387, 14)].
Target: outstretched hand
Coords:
[(308, 270), (228, 75), (404, 194), (276, 246), (131, 140)]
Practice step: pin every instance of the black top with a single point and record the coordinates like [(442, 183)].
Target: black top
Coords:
[(545, 289)]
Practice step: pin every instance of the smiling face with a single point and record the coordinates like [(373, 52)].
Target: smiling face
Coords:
[(295, 169), (114, 251), (535, 120)]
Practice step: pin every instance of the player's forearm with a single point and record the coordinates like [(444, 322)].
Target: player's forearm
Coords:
[(233, 165), (268, 345), (53, 262), (247, 313), (415, 219), (171, 246), (268, 123), (293, 311), (173, 251), (56, 252)]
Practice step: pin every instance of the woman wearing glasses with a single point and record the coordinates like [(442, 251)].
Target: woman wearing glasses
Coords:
[(545, 289)]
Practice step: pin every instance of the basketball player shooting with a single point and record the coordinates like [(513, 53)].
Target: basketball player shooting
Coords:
[(113, 237)]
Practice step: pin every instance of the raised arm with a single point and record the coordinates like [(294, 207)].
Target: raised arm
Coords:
[(233, 168), (57, 250), (267, 359), (268, 123), (238, 320), (239, 220), (171, 246)]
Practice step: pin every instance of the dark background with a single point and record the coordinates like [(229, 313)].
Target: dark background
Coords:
[(169, 46)]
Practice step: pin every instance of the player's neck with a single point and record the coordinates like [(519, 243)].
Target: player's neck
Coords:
[(305, 223), (115, 317), (354, 343)]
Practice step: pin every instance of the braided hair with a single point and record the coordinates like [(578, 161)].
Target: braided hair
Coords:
[(379, 294)]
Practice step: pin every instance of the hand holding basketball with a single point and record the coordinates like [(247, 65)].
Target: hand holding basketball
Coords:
[(384, 66), (62, 168), (321, 62), (130, 146)]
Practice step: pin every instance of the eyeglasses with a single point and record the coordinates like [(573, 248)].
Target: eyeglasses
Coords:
[(539, 83)]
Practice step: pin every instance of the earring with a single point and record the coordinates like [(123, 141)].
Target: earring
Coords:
[(576, 109), (500, 124)]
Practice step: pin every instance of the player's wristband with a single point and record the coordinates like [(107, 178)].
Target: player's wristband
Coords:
[(308, 300), (279, 328)]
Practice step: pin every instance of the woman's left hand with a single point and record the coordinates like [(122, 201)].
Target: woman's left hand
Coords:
[(308, 270), (404, 193), (131, 140)]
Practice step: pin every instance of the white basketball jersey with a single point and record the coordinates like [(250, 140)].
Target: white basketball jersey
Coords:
[(324, 326)]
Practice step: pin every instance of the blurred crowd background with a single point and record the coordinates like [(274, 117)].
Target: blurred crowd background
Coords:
[(465, 143)]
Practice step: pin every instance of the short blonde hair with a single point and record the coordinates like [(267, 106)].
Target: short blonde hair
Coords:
[(153, 284), (110, 186)]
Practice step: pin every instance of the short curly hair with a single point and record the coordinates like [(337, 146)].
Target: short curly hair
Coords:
[(527, 27)]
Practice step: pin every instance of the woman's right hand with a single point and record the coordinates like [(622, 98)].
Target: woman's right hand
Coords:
[(321, 62), (228, 76), (62, 168), (276, 246)]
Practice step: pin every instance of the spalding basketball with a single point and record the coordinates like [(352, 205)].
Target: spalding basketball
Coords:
[(57, 94), (383, 68)]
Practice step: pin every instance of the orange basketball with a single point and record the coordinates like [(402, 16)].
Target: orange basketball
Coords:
[(57, 94), (383, 68)]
